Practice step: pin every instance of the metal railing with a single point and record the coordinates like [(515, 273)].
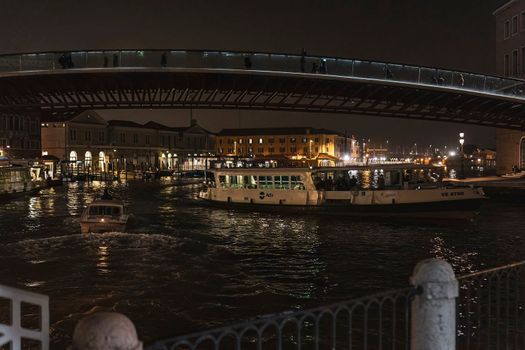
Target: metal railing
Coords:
[(491, 309), (24, 319), (380, 321), (276, 62)]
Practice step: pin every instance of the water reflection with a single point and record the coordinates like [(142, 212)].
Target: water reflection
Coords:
[(102, 262)]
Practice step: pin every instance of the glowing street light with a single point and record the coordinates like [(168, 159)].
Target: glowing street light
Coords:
[(461, 140)]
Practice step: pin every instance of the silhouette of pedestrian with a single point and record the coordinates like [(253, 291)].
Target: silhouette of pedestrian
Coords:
[(322, 66), (389, 74), (315, 69), (163, 60), (115, 60), (461, 80), (247, 62), (441, 80), (434, 80), (62, 61), (303, 60)]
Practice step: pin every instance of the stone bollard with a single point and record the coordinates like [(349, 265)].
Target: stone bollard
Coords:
[(434, 311), (105, 330)]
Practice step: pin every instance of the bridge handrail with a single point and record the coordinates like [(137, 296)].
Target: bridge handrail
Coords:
[(246, 60)]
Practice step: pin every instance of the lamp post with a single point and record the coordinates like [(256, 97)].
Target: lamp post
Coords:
[(461, 142)]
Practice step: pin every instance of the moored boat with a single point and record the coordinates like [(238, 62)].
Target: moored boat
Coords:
[(103, 215), (409, 190)]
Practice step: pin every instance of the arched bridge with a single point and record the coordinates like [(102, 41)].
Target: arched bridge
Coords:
[(64, 83)]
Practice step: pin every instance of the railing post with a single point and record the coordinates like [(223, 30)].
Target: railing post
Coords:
[(434, 310), (105, 330)]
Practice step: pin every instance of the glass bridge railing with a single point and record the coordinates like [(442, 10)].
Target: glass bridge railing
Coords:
[(264, 61)]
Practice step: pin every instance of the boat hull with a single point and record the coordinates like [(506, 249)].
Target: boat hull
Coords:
[(98, 227), (463, 209)]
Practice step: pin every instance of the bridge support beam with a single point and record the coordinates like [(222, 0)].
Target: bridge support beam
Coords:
[(508, 144)]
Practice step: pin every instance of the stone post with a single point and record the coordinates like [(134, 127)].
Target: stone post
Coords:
[(104, 331), (434, 311)]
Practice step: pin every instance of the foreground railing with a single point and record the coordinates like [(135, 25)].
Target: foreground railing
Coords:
[(293, 63), (375, 322), (491, 309), (483, 310)]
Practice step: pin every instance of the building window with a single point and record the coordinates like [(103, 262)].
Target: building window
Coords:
[(72, 156), (240, 141), (305, 150), (260, 141), (271, 140), (282, 140), (271, 149), (135, 138), (250, 141), (88, 158), (523, 60), (515, 62), (293, 150), (506, 30), (506, 65), (220, 141), (147, 139), (101, 137), (304, 140), (293, 139), (72, 134), (514, 25), (122, 137), (317, 139), (282, 150), (522, 21), (260, 149), (88, 135)]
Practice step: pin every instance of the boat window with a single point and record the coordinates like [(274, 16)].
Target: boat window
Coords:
[(265, 182), (250, 181), (282, 182), (102, 210), (296, 183), (222, 181)]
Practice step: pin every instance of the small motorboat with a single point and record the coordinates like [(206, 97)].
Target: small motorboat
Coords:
[(104, 215)]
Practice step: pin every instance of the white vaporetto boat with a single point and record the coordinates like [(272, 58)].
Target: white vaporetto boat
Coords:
[(383, 189), (103, 215)]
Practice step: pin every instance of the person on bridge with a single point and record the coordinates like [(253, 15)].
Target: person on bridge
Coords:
[(322, 66), (389, 74), (247, 62), (441, 80), (315, 68), (303, 60)]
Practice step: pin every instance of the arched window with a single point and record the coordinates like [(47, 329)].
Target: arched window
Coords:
[(101, 161), (87, 158), (72, 156), (522, 153)]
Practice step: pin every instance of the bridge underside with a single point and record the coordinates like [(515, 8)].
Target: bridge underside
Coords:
[(63, 94)]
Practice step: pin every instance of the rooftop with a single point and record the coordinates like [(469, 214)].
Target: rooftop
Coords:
[(277, 131)]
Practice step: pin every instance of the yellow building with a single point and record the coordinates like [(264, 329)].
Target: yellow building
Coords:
[(326, 146)]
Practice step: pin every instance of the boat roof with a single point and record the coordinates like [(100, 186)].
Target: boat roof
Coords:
[(400, 166)]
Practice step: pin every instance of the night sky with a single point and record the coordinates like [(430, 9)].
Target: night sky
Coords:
[(442, 33)]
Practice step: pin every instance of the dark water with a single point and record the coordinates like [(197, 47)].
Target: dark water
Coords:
[(181, 268)]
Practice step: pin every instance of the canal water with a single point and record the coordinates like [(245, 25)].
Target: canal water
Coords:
[(182, 268)]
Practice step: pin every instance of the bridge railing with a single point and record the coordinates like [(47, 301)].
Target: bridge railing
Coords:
[(264, 61)]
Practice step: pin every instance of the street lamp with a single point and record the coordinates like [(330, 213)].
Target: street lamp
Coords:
[(461, 140)]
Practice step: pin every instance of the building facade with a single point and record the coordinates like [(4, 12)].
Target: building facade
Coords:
[(19, 136), (323, 145), (90, 143), (510, 62)]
